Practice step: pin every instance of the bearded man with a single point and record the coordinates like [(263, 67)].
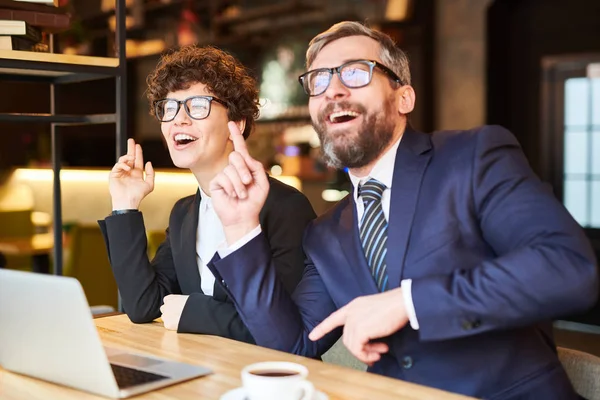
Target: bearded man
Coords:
[(447, 263)]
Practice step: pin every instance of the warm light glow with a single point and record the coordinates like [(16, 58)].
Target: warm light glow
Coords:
[(89, 175), (293, 181), (397, 10), (333, 195), (97, 175), (276, 170)]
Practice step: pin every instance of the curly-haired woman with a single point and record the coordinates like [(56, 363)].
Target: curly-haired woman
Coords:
[(195, 92)]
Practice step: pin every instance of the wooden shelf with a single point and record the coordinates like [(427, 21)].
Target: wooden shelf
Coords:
[(21, 65), (52, 58), (60, 119)]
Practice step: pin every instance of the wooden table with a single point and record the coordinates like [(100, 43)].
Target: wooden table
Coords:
[(226, 358)]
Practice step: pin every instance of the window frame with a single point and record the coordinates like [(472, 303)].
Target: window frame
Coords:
[(556, 70)]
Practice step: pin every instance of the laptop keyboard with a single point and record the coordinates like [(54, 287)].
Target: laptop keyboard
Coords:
[(127, 377)]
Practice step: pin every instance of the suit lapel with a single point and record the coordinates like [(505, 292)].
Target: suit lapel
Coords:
[(412, 158), (189, 231), (351, 247)]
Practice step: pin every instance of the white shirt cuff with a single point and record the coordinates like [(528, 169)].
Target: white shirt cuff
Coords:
[(224, 251), (406, 286)]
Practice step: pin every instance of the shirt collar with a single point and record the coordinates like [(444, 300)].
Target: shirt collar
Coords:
[(205, 201), (383, 170)]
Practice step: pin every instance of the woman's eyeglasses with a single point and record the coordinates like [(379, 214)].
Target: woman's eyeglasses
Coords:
[(197, 107)]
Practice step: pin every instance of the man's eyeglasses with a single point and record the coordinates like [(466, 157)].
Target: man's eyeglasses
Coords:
[(197, 107), (353, 74)]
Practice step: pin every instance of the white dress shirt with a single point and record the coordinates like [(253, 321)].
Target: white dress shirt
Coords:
[(383, 171), (209, 238)]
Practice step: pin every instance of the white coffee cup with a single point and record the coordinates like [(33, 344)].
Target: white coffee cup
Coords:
[(276, 380)]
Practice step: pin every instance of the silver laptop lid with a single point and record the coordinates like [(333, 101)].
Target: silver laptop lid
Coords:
[(47, 332)]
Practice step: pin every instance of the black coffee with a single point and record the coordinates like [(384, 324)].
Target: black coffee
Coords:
[(277, 373)]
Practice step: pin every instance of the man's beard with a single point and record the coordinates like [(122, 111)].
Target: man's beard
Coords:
[(354, 149)]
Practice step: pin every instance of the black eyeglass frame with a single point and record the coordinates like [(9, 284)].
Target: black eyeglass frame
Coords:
[(337, 70), (186, 108)]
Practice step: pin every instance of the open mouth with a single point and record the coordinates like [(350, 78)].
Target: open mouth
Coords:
[(181, 139), (339, 117)]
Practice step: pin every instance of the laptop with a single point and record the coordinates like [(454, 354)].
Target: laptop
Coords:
[(47, 332)]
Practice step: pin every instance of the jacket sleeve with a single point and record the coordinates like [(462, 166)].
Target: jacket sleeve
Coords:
[(544, 267), (284, 229), (283, 226), (142, 284), (275, 318), (204, 314)]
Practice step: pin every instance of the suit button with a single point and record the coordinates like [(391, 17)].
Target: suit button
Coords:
[(468, 325), (223, 282), (407, 362)]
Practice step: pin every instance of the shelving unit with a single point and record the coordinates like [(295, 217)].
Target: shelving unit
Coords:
[(56, 69)]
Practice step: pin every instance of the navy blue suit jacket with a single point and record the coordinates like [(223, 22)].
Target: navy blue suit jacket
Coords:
[(493, 258)]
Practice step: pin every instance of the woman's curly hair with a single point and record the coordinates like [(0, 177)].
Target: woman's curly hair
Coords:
[(222, 74)]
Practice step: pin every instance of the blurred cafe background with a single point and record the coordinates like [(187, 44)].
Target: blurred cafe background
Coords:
[(532, 66)]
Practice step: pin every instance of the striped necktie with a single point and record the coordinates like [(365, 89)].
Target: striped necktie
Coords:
[(373, 231)]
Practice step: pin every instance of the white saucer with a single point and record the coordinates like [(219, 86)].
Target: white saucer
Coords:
[(240, 394)]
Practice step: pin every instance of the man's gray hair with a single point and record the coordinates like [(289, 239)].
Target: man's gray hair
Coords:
[(391, 55)]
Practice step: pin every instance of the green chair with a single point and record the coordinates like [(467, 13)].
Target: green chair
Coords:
[(339, 354), (15, 224), (583, 370), (87, 261)]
